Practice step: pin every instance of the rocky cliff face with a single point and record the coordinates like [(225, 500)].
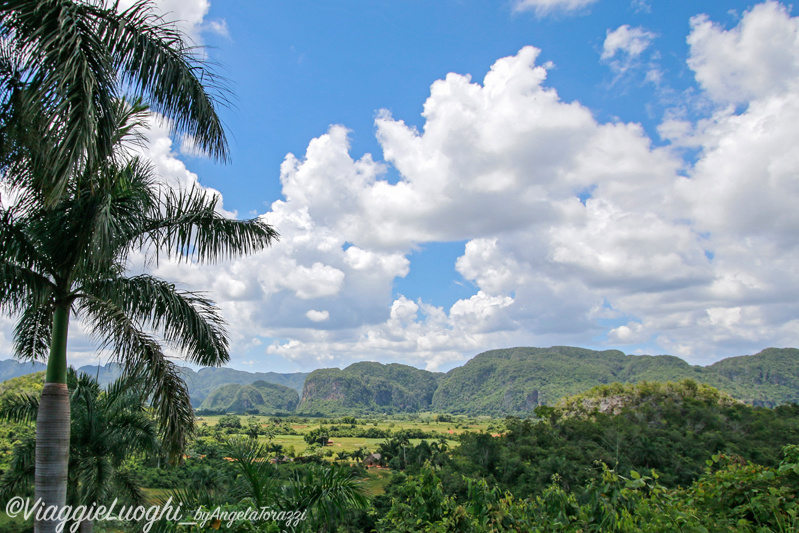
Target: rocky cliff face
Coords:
[(368, 387)]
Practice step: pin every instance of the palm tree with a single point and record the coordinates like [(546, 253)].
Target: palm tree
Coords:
[(70, 259), (66, 62), (108, 426)]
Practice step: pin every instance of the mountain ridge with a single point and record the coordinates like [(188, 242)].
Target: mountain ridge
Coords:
[(509, 381)]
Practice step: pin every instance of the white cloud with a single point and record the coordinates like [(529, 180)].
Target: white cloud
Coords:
[(315, 282), (545, 7), (623, 50), (626, 40), (757, 58), (500, 165), (568, 222), (317, 316), (631, 333)]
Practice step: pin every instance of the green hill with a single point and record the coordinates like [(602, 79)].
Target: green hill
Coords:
[(368, 387), (25, 384), (203, 382), (516, 380), (206, 380), (498, 382), (768, 378), (260, 396), (644, 398)]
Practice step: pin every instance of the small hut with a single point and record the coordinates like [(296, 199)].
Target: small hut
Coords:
[(373, 459)]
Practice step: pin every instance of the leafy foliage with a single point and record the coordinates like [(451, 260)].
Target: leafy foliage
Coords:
[(64, 66), (672, 428), (71, 258), (107, 427)]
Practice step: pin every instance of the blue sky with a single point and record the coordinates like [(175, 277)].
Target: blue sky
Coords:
[(297, 67), (455, 176)]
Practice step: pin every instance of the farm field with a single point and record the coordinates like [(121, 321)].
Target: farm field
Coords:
[(273, 430)]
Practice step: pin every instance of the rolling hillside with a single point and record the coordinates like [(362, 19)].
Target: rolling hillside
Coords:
[(261, 397), (516, 380), (498, 382), (368, 387)]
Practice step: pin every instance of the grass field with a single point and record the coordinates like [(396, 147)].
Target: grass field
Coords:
[(425, 422), (297, 444)]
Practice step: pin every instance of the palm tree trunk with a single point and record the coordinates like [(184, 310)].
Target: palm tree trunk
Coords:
[(52, 426)]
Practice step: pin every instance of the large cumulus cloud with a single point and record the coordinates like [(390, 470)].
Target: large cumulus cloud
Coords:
[(577, 232), (572, 224)]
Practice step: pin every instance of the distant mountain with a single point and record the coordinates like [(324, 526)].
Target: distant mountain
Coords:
[(368, 387), (497, 382), (260, 396), (516, 380), (203, 382), (768, 378), (200, 383), (13, 369)]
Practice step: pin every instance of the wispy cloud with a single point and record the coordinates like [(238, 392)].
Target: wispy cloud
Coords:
[(546, 7)]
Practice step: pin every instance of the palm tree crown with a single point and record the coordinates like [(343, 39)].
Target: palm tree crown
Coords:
[(65, 62), (71, 259)]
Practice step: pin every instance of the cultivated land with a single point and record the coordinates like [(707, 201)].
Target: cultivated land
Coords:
[(426, 422)]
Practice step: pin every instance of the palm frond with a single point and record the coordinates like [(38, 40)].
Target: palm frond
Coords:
[(257, 474), (21, 282), (187, 321), (92, 476), (32, 333), (124, 394), (72, 76), (188, 226), (98, 224), (128, 485), (69, 62), (129, 432), (19, 408), (328, 492), (21, 286), (16, 245), (141, 356), (19, 474), (155, 61)]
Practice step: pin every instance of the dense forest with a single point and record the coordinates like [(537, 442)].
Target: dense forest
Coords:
[(647, 457)]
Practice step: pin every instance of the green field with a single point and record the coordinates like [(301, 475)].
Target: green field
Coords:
[(296, 443)]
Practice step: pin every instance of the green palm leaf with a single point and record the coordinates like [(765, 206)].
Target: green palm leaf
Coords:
[(20, 408), (189, 226), (71, 60), (142, 356), (19, 474), (186, 320)]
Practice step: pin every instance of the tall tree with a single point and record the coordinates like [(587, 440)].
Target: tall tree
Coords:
[(67, 62), (108, 427), (70, 259)]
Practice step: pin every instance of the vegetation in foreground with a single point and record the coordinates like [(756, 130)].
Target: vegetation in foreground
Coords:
[(651, 457)]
